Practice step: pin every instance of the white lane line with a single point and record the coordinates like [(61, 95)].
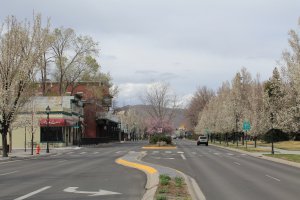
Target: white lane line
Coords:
[(9, 173), (9, 162), (230, 154), (169, 158), (83, 153), (96, 152), (237, 163), (155, 152), (183, 152), (183, 157), (168, 151), (33, 193), (272, 177), (70, 152)]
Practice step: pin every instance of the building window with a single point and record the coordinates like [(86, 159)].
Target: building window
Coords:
[(55, 134)]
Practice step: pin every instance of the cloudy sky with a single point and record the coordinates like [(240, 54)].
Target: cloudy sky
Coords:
[(188, 43)]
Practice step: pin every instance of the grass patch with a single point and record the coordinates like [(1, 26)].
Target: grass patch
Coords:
[(243, 147), (286, 145), (171, 189), (289, 157)]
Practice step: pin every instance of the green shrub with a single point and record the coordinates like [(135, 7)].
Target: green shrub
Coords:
[(164, 179), (161, 197), (160, 137), (163, 190), (178, 181)]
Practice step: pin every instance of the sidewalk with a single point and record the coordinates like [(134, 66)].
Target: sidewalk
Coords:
[(21, 154)]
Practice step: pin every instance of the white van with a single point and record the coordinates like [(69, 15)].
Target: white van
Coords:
[(202, 139)]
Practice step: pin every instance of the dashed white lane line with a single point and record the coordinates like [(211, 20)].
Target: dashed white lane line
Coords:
[(9, 162), (9, 173), (168, 151), (33, 193), (236, 163), (183, 152), (83, 153), (272, 177), (96, 152), (155, 152), (183, 157), (230, 154)]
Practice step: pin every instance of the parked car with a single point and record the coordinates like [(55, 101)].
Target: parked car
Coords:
[(202, 139)]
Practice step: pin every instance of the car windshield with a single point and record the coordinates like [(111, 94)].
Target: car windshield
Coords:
[(203, 137)]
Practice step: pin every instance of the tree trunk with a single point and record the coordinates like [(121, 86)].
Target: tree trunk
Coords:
[(4, 144), (10, 140)]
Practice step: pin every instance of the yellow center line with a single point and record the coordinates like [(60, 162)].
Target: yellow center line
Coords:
[(146, 168)]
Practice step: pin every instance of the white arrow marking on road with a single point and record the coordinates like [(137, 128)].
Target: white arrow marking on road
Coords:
[(99, 193)]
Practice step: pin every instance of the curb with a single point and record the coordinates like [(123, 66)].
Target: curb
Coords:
[(192, 186), (277, 160), (153, 177)]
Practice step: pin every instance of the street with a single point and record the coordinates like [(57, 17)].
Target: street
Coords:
[(77, 174), (224, 174), (91, 173)]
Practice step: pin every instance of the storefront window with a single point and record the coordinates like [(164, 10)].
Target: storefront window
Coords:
[(53, 134)]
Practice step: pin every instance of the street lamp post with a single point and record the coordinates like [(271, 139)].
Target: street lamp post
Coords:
[(79, 131), (48, 112)]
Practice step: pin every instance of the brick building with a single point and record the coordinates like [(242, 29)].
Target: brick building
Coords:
[(100, 125)]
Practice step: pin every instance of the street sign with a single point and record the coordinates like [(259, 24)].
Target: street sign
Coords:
[(90, 193), (246, 126)]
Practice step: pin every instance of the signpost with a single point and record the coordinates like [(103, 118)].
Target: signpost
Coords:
[(246, 127)]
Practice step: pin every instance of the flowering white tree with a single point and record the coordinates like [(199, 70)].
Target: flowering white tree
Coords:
[(21, 46), (291, 72)]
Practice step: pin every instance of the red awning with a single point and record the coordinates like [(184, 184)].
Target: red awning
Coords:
[(53, 122)]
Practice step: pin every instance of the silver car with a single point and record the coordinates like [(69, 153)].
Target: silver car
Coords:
[(202, 139)]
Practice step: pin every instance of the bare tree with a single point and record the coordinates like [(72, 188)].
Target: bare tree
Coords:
[(160, 102), (199, 100), (71, 54), (21, 46)]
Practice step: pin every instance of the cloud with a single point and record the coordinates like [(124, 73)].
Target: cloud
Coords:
[(187, 43)]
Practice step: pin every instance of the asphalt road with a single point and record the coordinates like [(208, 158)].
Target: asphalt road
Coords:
[(76, 174), (228, 175)]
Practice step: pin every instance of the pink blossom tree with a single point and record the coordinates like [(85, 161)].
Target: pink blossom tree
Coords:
[(157, 126)]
